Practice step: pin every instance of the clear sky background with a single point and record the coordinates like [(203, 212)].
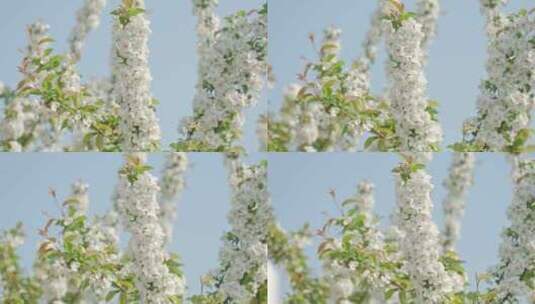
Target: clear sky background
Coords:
[(456, 59), (173, 55), (25, 180), (300, 184)]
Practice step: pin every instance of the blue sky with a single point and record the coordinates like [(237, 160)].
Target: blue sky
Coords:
[(456, 59), (300, 184), (27, 178), (173, 56)]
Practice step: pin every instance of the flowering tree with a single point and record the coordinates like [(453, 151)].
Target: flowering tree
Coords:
[(334, 109), (79, 259), (51, 109), (138, 123), (507, 97), (410, 261), (232, 70), (242, 273), (50, 100)]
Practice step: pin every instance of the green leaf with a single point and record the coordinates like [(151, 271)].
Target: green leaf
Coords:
[(111, 295), (123, 298), (370, 141), (175, 299)]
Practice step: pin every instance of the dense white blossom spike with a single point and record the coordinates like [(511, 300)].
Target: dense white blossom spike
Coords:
[(243, 257), (137, 199), (171, 185), (130, 58), (373, 36), (506, 99), (428, 12), (417, 130), (232, 70), (515, 274), (419, 243), (460, 178), (87, 19)]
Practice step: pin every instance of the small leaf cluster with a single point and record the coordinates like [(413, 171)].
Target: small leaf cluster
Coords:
[(127, 11)]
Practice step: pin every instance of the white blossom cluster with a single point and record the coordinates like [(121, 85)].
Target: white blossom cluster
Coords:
[(415, 126), (373, 37), (460, 178), (428, 12), (13, 238), (311, 121), (208, 24), (506, 99), (419, 242), (137, 199), (171, 185), (130, 56), (516, 272), (32, 122), (232, 70), (35, 119), (21, 113), (104, 235), (345, 278), (99, 91), (243, 256), (55, 274), (52, 276), (87, 19), (365, 200)]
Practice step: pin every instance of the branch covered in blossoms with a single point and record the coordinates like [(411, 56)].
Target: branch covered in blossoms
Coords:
[(460, 178), (137, 200), (433, 280), (333, 110), (286, 249), (361, 264), (171, 184), (16, 287), (242, 274), (130, 59), (232, 71), (514, 276), (507, 96), (87, 19), (415, 116), (50, 102)]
